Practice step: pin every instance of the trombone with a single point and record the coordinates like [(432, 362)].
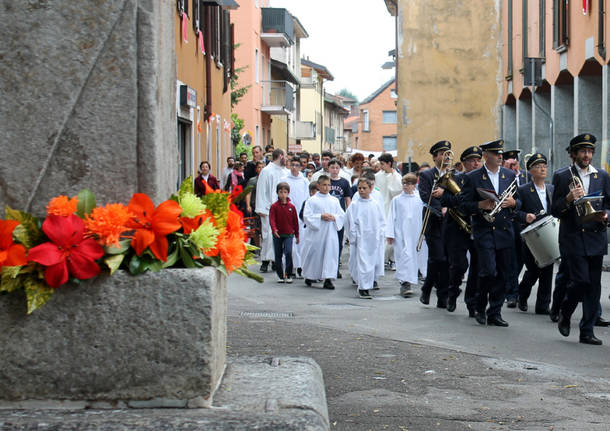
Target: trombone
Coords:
[(447, 158), (508, 193)]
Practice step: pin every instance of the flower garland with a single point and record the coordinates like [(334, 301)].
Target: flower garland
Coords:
[(77, 239)]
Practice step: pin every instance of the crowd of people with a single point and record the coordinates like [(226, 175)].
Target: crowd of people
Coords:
[(434, 223)]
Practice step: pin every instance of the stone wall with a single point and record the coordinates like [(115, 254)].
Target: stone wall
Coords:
[(88, 100)]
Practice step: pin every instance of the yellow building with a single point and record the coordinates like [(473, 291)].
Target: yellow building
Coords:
[(312, 104), (448, 74)]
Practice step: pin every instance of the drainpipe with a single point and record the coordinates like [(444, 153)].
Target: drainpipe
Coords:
[(601, 46), (207, 109)]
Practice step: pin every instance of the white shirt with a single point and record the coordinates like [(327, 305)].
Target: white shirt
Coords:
[(542, 196), (494, 178), (585, 176)]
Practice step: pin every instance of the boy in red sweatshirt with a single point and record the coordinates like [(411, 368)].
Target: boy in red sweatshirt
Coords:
[(285, 226)]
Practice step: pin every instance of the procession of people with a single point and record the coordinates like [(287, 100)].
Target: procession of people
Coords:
[(479, 225)]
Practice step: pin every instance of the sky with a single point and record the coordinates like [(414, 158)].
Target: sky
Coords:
[(351, 38)]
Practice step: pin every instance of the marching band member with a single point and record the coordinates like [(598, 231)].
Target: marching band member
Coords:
[(494, 239), (535, 198), (437, 272), (459, 242), (582, 244)]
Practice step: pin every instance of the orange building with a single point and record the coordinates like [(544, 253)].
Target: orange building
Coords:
[(204, 65), (378, 123), (564, 49)]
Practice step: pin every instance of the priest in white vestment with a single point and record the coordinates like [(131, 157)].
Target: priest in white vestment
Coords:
[(324, 219), (266, 195)]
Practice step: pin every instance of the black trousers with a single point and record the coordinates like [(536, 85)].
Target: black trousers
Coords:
[(458, 265), (283, 248), (516, 265), (585, 274), (562, 281), (533, 273), (438, 271), (494, 265), (471, 294)]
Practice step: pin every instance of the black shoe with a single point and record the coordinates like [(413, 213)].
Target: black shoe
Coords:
[(602, 322), (451, 301), (511, 303), (441, 303), (424, 298), (308, 282), (375, 285), (365, 294), (405, 289), (272, 266), (554, 315), (328, 284), (339, 275), (563, 325), (496, 321), (590, 339), (299, 271), (522, 305), (264, 267), (471, 311), (480, 318), (543, 311)]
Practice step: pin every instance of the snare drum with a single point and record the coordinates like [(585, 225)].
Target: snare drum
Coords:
[(542, 239)]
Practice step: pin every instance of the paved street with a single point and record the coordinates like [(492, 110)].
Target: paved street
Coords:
[(392, 363)]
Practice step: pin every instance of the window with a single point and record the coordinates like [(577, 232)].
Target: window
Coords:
[(258, 136), (389, 117), (263, 66), (256, 64), (509, 39), (365, 121), (210, 21), (560, 24), (389, 143)]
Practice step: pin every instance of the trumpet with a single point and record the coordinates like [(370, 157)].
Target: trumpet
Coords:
[(447, 159), (508, 193), (584, 207)]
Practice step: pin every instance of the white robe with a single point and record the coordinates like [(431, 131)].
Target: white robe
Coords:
[(266, 194), (299, 192), (389, 185), (404, 226), (375, 195), (365, 229), (320, 257), (342, 174)]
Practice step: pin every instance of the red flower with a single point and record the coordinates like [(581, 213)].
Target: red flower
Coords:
[(153, 225), (68, 252), (11, 254)]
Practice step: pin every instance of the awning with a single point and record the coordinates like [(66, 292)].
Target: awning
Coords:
[(226, 4), (283, 70)]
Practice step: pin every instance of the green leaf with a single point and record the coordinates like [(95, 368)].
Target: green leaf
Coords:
[(37, 292), (124, 246), (135, 265), (114, 262), (86, 202), (247, 273), (28, 231), (10, 280), (155, 266), (172, 258), (187, 259), (186, 187)]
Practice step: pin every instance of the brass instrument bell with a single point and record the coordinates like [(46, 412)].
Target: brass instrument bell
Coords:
[(584, 207)]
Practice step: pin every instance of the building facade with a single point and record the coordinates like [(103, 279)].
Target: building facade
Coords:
[(335, 113), (448, 64), (204, 65), (311, 103), (377, 125), (564, 50)]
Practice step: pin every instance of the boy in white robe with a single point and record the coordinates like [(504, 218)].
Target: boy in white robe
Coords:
[(365, 228), (402, 229), (299, 192), (323, 217)]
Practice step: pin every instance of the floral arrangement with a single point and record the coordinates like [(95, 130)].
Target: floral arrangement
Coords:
[(77, 239)]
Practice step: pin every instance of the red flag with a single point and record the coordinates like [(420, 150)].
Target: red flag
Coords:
[(184, 18), (585, 6), (200, 36)]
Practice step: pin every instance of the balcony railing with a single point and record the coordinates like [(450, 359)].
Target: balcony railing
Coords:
[(329, 135), (277, 27), (278, 97)]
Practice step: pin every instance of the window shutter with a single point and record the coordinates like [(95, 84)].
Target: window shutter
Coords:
[(196, 16), (226, 49)]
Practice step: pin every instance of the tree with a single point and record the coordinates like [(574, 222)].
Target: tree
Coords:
[(344, 92)]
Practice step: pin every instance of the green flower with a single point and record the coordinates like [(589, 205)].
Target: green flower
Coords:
[(191, 205), (205, 236)]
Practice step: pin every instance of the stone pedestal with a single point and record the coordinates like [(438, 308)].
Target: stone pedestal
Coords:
[(158, 337)]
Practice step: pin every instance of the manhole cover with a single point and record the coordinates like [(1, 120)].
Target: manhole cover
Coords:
[(267, 315), (339, 306)]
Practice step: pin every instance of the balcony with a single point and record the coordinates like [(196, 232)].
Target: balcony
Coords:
[(305, 130), (277, 27), (278, 98)]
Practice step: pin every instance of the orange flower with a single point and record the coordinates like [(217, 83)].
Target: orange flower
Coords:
[(152, 225), (232, 250), (190, 224), (11, 254), (62, 205), (108, 223)]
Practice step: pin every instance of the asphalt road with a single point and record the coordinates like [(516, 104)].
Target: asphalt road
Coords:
[(393, 363)]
